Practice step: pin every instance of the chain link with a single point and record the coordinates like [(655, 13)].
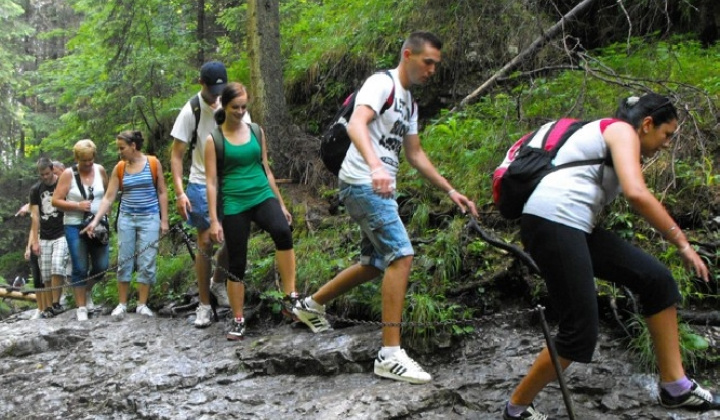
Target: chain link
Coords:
[(288, 305)]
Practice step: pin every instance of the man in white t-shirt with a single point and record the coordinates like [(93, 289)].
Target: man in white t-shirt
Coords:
[(192, 203), (367, 188)]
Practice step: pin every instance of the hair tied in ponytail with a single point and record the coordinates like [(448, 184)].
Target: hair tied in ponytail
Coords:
[(631, 101)]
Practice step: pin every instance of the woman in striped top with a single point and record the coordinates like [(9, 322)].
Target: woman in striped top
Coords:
[(142, 217)]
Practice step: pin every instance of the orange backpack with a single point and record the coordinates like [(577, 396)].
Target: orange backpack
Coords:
[(153, 170)]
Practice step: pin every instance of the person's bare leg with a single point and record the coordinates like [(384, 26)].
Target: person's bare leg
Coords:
[(123, 289), (56, 283), (540, 374), (345, 280), (143, 293), (79, 293), (286, 267), (203, 265), (663, 328), (236, 295), (394, 286)]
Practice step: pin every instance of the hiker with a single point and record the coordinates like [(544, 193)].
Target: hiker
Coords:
[(192, 126), (142, 217), (47, 239), (87, 256), (241, 189), (367, 188), (558, 229)]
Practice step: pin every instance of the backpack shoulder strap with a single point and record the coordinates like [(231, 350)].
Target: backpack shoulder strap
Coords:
[(195, 107), (78, 181), (219, 142), (121, 173), (257, 131), (391, 98), (153, 168)]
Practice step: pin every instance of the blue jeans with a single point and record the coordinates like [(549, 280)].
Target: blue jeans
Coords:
[(83, 255), (199, 218), (384, 238), (135, 233)]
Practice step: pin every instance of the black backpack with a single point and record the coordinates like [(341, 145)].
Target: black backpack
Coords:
[(335, 141), (195, 107), (219, 142)]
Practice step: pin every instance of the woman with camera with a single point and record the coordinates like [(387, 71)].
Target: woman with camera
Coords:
[(142, 217), (78, 194)]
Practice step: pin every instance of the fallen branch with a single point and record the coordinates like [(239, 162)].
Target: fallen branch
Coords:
[(519, 253), (527, 52), (14, 294)]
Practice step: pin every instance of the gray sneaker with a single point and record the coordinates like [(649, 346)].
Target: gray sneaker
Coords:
[(219, 290), (119, 312)]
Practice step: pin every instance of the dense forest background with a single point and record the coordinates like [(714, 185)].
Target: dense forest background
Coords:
[(74, 69)]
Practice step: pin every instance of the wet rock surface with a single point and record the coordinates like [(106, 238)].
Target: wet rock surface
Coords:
[(163, 368)]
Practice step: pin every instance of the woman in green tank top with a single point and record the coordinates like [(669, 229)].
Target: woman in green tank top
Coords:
[(239, 178)]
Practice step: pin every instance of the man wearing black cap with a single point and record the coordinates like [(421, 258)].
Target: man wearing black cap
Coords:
[(192, 127)]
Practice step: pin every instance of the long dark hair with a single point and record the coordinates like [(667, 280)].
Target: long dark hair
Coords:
[(230, 92), (634, 109)]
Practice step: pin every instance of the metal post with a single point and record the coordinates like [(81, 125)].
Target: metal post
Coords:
[(556, 363)]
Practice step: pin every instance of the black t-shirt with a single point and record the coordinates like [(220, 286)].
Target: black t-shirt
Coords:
[(51, 219)]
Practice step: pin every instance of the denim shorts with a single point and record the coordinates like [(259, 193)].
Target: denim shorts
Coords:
[(384, 238), (199, 217)]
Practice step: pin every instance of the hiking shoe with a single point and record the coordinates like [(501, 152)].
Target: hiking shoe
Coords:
[(698, 398), (529, 414), (119, 312), (144, 310), (47, 314), (89, 304), (57, 308), (401, 367), (36, 314), (219, 290), (288, 304), (81, 313), (314, 319), (202, 316), (237, 330)]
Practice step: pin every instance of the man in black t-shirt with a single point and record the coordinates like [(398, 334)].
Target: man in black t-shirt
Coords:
[(47, 238)]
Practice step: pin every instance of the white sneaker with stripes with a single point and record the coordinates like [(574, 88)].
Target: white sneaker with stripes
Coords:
[(401, 367)]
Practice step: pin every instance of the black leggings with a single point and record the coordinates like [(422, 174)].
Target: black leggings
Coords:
[(35, 268), (570, 259), (269, 217)]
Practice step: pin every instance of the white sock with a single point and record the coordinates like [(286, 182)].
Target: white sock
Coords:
[(314, 305), (386, 352)]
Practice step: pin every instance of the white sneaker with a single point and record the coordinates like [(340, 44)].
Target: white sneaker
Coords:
[(36, 314), (89, 304), (82, 313), (401, 367), (119, 312), (219, 290), (202, 316), (144, 310), (315, 319)]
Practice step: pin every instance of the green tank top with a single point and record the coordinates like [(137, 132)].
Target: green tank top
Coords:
[(244, 183)]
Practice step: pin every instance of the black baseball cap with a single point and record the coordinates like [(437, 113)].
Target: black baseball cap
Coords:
[(214, 75)]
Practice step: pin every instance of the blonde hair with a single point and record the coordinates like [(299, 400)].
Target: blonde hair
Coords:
[(83, 147)]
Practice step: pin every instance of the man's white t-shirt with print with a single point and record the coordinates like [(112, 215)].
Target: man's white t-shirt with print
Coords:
[(183, 128), (387, 131)]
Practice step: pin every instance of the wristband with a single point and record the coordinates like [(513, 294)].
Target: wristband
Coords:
[(374, 171), (180, 196), (451, 192)]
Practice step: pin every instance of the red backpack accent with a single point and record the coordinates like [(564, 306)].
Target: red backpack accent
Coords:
[(525, 165)]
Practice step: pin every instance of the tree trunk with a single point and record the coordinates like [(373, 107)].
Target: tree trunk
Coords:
[(201, 33), (266, 80)]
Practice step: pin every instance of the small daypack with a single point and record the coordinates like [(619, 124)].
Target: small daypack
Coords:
[(219, 142), (525, 165), (335, 141), (153, 161)]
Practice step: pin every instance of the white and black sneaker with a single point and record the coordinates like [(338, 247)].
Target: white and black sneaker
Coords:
[(698, 398), (237, 330), (401, 367), (530, 413), (313, 318)]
